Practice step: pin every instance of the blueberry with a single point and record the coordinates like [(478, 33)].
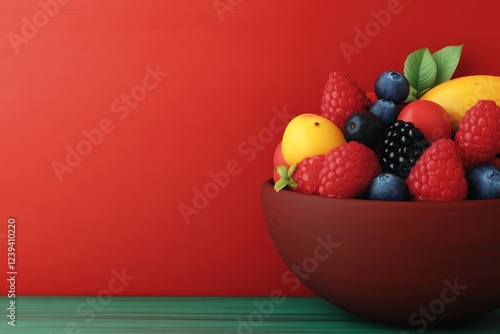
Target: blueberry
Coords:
[(484, 182), (388, 187), (386, 110), (393, 86), (364, 127)]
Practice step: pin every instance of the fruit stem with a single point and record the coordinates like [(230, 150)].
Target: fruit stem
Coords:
[(286, 177)]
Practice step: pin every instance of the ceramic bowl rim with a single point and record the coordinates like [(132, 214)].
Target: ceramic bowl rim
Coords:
[(447, 205)]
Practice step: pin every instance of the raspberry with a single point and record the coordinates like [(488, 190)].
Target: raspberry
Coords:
[(439, 174), (341, 97), (348, 170), (304, 176), (402, 146), (478, 134)]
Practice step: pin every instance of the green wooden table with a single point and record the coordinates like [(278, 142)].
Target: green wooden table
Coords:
[(225, 315)]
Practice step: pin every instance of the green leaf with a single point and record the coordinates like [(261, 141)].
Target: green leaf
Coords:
[(421, 70), (291, 170), (282, 171), (424, 91), (446, 61), (286, 177), (412, 96), (280, 184)]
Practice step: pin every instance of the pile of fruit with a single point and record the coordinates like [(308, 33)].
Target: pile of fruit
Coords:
[(421, 136)]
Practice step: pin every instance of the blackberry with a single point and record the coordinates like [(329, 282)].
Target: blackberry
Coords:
[(402, 146)]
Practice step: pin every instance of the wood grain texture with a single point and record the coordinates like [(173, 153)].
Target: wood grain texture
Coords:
[(197, 315)]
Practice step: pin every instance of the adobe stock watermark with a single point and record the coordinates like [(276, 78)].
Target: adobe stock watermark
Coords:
[(121, 108), (247, 151), (363, 36), (429, 313), (32, 25), (223, 6), (86, 311), (264, 309)]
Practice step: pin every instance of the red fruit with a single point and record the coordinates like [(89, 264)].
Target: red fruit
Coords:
[(478, 134), (439, 174), (429, 117), (495, 161), (306, 174), (302, 177), (341, 97), (371, 96), (278, 160), (348, 170)]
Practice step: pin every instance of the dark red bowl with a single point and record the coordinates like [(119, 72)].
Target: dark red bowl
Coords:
[(410, 263)]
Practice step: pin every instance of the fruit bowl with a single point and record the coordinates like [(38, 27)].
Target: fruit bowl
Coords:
[(412, 263)]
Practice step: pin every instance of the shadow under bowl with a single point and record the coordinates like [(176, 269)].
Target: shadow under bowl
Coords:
[(397, 262)]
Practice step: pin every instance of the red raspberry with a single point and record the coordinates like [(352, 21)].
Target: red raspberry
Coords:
[(341, 97), (348, 170), (304, 176), (478, 134), (439, 174)]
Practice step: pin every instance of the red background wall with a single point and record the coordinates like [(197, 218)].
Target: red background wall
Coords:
[(230, 72)]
